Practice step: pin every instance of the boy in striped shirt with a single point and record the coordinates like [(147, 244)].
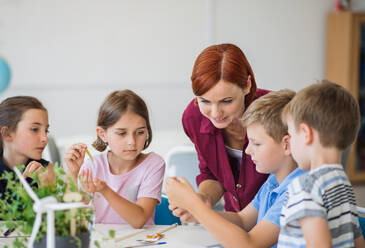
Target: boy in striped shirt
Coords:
[(320, 211)]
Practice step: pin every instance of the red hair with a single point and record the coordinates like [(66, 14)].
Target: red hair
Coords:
[(222, 62)]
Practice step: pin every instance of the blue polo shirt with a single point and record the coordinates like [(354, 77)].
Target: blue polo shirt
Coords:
[(271, 197)]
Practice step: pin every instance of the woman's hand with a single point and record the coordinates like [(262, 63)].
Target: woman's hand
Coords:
[(89, 184), (74, 158)]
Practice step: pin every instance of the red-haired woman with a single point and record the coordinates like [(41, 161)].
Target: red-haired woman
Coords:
[(224, 85)]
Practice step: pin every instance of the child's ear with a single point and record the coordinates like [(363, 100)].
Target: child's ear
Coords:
[(307, 132), (5, 133), (101, 133), (286, 144)]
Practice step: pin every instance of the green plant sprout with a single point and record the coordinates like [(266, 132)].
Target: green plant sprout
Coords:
[(89, 154), (16, 207)]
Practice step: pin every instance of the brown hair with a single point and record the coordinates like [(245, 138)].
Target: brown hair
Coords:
[(222, 62), (112, 109), (328, 108), (267, 110), (12, 110)]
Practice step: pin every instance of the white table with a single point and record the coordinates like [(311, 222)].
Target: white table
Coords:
[(185, 236)]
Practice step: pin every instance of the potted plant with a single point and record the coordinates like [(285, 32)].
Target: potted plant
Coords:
[(16, 212)]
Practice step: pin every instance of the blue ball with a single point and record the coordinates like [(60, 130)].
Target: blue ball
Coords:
[(5, 75)]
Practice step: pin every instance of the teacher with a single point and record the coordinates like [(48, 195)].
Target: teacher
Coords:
[(224, 85)]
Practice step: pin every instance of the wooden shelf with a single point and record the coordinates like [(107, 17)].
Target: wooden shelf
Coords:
[(342, 66)]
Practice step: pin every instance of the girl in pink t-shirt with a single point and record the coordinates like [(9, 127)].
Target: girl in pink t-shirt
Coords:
[(127, 183)]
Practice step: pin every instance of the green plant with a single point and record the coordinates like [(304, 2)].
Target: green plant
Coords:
[(16, 207)]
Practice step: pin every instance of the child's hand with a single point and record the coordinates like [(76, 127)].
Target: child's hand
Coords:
[(32, 168), (89, 184), (184, 215), (180, 193), (46, 175), (74, 158)]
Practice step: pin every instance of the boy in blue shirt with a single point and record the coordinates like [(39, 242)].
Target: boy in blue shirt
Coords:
[(257, 225)]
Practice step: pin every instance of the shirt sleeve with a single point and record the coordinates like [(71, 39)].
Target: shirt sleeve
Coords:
[(273, 213), (256, 200), (190, 129), (151, 185), (205, 172), (302, 202)]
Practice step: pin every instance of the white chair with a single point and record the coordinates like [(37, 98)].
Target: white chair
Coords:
[(182, 161), (361, 210)]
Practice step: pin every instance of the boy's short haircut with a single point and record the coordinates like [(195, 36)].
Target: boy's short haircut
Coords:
[(328, 108), (267, 110)]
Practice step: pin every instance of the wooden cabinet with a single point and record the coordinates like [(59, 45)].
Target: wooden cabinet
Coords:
[(345, 65)]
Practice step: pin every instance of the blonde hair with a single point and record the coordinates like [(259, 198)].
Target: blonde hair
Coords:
[(114, 106), (266, 111), (328, 108)]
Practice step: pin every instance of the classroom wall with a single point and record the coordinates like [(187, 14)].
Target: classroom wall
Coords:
[(72, 53)]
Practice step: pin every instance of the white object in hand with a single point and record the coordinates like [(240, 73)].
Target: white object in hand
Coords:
[(47, 205)]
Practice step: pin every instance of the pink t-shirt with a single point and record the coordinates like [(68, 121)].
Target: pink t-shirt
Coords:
[(145, 180)]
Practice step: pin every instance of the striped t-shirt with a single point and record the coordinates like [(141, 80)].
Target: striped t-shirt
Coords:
[(324, 192)]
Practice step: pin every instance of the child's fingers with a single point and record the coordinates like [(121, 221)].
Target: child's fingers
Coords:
[(171, 180), (183, 180), (50, 172), (73, 154), (70, 156), (187, 217), (80, 149), (178, 212), (79, 146), (76, 154), (82, 177), (76, 151), (85, 176), (37, 169), (97, 183), (90, 179), (32, 167), (172, 207)]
